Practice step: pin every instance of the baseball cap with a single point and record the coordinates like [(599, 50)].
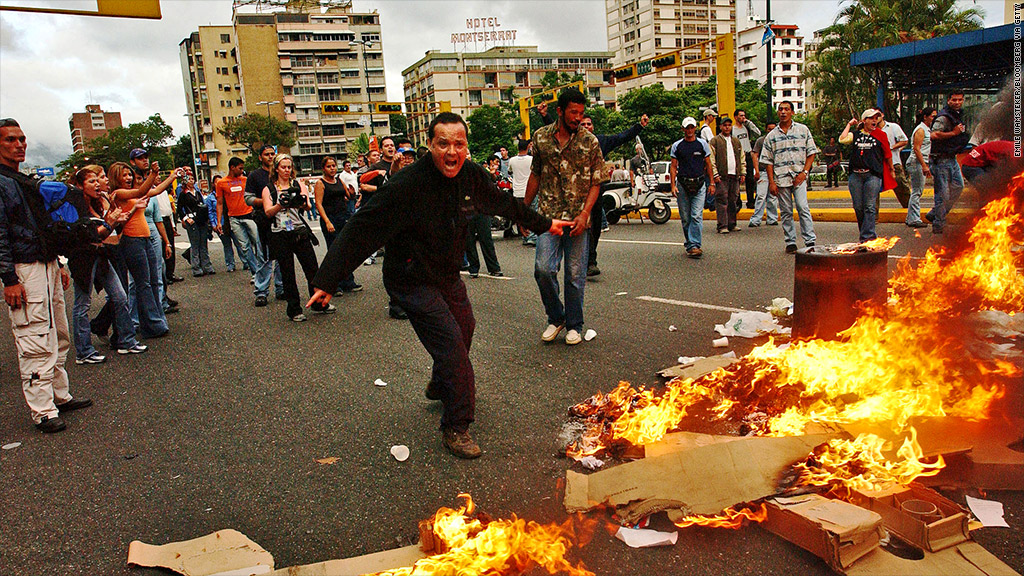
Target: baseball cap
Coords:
[(870, 113), (137, 153), (709, 112), (406, 150), (689, 121)]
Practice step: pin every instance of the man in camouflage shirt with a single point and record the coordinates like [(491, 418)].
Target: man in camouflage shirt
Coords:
[(567, 172)]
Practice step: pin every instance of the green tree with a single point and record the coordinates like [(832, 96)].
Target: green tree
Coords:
[(397, 122), (666, 110), (842, 90), (182, 153), (361, 145), (491, 127), (115, 145), (254, 130)]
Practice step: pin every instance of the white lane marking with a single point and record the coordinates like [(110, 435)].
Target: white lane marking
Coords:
[(690, 304), (642, 242)]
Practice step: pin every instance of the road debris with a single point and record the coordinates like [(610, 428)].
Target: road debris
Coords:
[(400, 452), (379, 383), (646, 538), (988, 512)]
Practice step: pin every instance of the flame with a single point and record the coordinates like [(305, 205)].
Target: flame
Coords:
[(472, 545), (903, 359), (876, 245), (862, 463), (731, 518)]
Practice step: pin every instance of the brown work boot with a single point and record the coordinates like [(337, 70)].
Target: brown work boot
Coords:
[(460, 444)]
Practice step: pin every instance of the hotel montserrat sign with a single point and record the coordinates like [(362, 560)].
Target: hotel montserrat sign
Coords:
[(483, 30)]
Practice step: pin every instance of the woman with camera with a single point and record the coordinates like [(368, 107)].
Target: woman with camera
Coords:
[(290, 235), (137, 254), (194, 215), (90, 264)]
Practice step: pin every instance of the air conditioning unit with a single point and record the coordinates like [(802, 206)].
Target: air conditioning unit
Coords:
[(490, 85)]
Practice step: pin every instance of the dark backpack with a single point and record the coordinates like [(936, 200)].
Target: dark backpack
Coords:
[(59, 230)]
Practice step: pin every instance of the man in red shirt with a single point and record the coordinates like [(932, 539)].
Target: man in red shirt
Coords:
[(984, 157), (231, 197)]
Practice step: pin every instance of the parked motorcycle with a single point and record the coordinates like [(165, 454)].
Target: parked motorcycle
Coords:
[(623, 198)]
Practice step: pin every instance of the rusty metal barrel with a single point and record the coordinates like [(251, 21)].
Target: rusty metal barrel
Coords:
[(828, 286)]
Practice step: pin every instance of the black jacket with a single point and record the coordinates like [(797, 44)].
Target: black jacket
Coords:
[(192, 206), (21, 215), (421, 217)]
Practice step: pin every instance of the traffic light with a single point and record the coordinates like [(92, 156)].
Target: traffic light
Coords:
[(625, 73), (446, 106), (388, 107), (666, 61), (334, 108)]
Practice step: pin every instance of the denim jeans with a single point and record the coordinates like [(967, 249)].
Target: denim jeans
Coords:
[(949, 184), (531, 236), (159, 283), (226, 240), (245, 233), (198, 236), (551, 250), (443, 320), (916, 174), (788, 197), (765, 205), (864, 190), (142, 260), (691, 215), (118, 299)]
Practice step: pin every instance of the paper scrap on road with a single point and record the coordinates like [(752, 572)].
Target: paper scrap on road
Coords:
[(698, 366), (751, 325), (591, 462), (722, 342), (672, 328), (989, 512), (590, 335), (11, 446), (689, 359), (380, 383), (328, 461), (781, 307), (400, 452), (644, 538), (222, 553), (621, 293)]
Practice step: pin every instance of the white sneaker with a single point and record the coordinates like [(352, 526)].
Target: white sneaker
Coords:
[(551, 332), (573, 338)]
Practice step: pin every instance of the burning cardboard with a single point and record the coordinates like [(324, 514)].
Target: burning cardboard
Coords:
[(835, 531), (222, 553), (367, 564), (919, 515), (700, 481)]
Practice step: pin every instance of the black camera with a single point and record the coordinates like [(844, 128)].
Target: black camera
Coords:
[(292, 197)]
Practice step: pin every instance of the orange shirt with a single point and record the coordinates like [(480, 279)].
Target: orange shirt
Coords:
[(231, 195), (136, 226)]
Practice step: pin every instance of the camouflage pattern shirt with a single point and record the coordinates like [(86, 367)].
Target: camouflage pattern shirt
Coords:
[(567, 172)]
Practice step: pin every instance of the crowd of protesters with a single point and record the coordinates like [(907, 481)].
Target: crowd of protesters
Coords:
[(120, 240)]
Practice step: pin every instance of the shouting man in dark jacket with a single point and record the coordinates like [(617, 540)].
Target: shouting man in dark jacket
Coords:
[(34, 285), (420, 217)]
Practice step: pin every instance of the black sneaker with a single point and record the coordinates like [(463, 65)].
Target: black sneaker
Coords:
[(353, 288), (74, 404), (790, 248), (94, 358), (397, 313), (593, 270), (51, 425), (432, 393), (261, 301)]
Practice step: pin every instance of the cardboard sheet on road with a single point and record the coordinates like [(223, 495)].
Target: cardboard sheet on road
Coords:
[(368, 564), (698, 368), (835, 531), (967, 559), (703, 480), (222, 553)]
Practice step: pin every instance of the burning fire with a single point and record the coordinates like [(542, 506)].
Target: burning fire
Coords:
[(470, 543), (731, 518), (904, 359)]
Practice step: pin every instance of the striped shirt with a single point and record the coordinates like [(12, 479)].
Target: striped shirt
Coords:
[(787, 152)]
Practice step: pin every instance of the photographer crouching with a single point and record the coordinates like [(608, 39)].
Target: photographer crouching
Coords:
[(284, 199)]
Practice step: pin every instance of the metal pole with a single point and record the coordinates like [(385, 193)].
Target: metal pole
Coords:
[(769, 89), (366, 75)]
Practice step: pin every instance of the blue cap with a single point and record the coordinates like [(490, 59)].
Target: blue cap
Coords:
[(406, 150), (137, 153)]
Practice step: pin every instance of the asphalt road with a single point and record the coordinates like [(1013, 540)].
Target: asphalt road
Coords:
[(219, 424)]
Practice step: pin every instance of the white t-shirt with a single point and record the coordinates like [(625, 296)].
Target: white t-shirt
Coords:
[(519, 167), (349, 179), (730, 158), (896, 135), (163, 201), (706, 133)]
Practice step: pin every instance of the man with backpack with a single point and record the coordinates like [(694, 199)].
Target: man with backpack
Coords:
[(34, 284)]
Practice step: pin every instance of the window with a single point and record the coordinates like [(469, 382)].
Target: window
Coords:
[(305, 80), (353, 90), (301, 61), (334, 130), (475, 98), (375, 90), (329, 78), (787, 92), (333, 94), (225, 38), (310, 148), (309, 131)]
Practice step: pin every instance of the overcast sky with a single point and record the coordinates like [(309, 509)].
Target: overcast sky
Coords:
[(53, 65)]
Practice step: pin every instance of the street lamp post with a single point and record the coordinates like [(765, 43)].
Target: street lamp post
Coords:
[(268, 104), (194, 133), (364, 44)]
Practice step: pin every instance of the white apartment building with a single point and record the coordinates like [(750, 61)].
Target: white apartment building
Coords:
[(641, 29), (788, 54)]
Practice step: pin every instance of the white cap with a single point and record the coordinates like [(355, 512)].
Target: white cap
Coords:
[(870, 113), (689, 121)]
